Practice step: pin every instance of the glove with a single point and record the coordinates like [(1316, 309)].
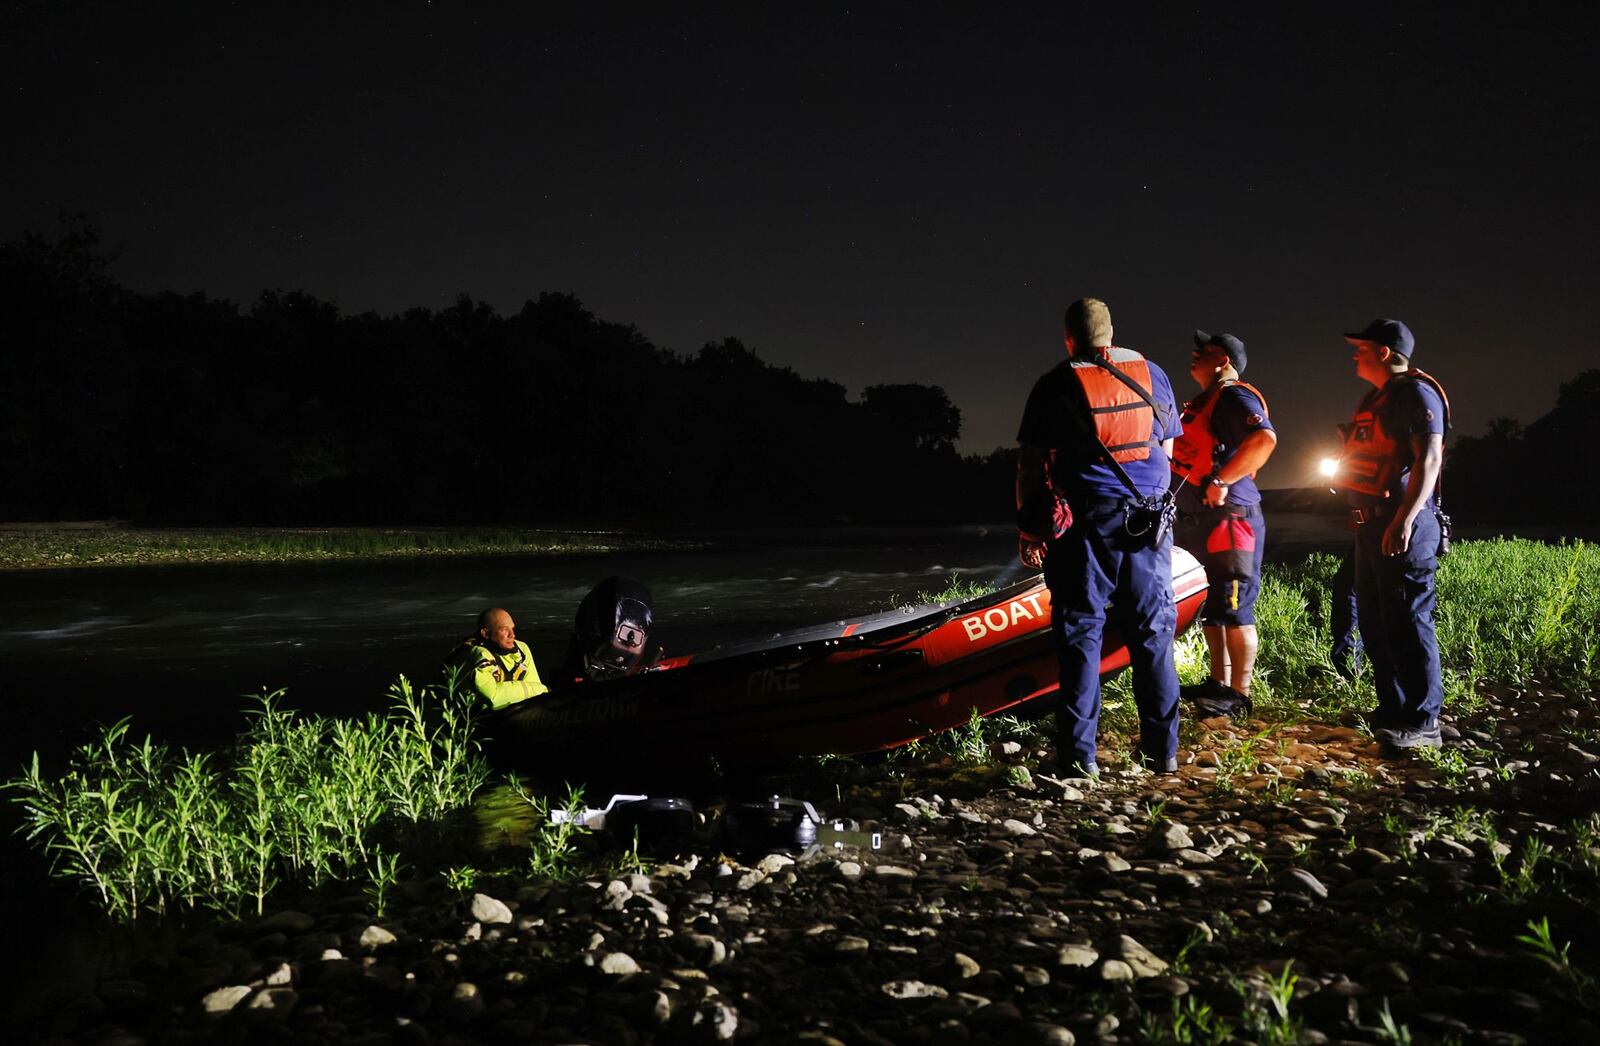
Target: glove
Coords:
[(1031, 551)]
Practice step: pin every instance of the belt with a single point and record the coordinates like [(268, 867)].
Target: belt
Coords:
[(1241, 511), (1359, 516), (1237, 511), (1099, 504)]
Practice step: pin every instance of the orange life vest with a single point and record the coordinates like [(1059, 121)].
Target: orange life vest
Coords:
[(1194, 452), (1373, 457), (1125, 423)]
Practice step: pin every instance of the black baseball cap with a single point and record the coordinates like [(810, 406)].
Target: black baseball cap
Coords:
[(1393, 333), (1227, 343)]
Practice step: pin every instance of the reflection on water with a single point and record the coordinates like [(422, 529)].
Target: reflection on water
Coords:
[(505, 819)]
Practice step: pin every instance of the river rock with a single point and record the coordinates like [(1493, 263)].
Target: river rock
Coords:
[(273, 1002), (849, 871), (491, 912), (1016, 827), (707, 950), (893, 871), (288, 921), (224, 1000), (715, 1019), (1171, 836), (772, 864), (1142, 961), (281, 977), (466, 1001), (1030, 976), (909, 989), (965, 966), (1049, 1035), (1116, 970), (375, 937), (1298, 880), (1113, 863), (1081, 956), (618, 964), (650, 1008)]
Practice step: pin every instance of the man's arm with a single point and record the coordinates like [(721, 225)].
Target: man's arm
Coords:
[(501, 693), (1253, 452), (1030, 485), (1030, 472), (1427, 455)]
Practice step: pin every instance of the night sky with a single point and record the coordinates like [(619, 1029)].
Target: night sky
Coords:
[(889, 193)]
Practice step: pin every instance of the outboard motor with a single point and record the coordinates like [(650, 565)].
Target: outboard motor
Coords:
[(611, 636)]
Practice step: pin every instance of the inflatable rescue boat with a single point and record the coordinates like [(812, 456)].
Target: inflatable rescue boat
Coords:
[(847, 687)]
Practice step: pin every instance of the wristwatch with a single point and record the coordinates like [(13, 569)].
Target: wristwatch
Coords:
[(1217, 481)]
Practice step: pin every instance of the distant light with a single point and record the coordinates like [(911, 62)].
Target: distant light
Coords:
[(1328, 467)]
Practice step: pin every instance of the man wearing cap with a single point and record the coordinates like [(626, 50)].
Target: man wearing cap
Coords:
[(1226, 439), (1389, 470), (1102, 416)]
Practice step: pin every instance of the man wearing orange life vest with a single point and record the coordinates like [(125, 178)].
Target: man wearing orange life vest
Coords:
[(1226, 438), (1102, 410), (1389, 471)]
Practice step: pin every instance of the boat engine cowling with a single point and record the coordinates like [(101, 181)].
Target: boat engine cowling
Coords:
[(611, 636)]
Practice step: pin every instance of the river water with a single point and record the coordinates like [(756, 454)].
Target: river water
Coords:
[(178, 648)]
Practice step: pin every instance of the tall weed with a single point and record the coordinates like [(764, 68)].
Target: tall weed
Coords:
[(146, 829)]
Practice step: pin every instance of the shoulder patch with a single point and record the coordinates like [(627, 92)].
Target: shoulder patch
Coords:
[(1254, 420)]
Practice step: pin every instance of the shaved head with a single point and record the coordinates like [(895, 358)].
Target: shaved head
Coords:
[(497, 629)]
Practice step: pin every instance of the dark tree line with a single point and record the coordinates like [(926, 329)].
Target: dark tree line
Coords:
[(1544, 471), (163, 408)]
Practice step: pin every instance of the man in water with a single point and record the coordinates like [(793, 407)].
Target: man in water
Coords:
[(502, 667), (1226, 438), (1389, 471), (1103, 414)]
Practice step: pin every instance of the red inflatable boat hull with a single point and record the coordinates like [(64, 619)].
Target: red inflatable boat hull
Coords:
[(843, 688)]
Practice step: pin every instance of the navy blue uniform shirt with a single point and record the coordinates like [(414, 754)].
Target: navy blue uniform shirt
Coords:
[(1411, 408)]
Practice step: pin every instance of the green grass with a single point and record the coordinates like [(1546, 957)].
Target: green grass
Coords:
[(145, 829), (1509, 611), (954, 589), (45, 547)]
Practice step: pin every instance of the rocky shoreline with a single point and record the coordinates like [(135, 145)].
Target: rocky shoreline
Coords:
[(1286, 885)]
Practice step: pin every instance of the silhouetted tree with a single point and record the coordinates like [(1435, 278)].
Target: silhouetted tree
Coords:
[(174, 409), (1541, 472), (921, 412)]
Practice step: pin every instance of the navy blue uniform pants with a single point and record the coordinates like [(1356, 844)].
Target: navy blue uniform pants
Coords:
[(1100, 574), (1395, 598), (1346, 652)]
